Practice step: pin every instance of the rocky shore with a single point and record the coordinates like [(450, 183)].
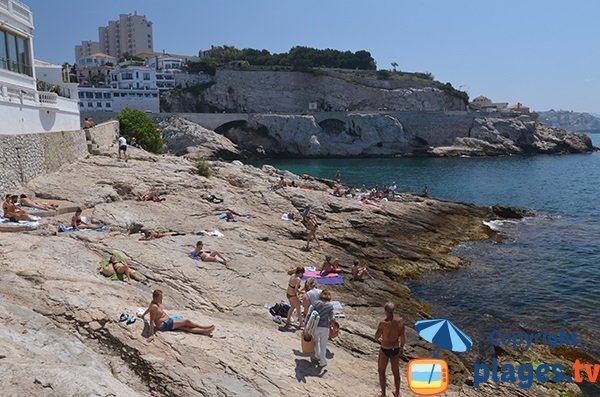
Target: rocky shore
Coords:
[(369, 135), (59, 329)]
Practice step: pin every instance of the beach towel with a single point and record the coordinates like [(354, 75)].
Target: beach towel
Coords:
[(331, 278), (28, 224), (31, 208), (64, 229), (213, 233), (116, 276), (287, 216)]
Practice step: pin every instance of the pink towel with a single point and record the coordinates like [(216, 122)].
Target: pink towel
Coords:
[(317, 274)]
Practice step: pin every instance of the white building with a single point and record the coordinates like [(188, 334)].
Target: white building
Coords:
[(106, 99), (131, 86), (95, 69), (133, 77), (23, 109)]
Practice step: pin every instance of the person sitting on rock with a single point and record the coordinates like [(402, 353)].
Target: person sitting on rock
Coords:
[(425, 191), (77, 223), (12, 212), (27, 202), (159, 319), (358, 272), (282, 182), (214, 199), (329, 266), (208, 256), (153, 235), (121, 268)]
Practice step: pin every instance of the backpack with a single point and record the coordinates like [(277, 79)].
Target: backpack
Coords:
[(280, 309)]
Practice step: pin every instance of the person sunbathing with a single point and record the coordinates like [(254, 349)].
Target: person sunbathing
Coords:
[(77, 223), (12, 212), (208, 256), (358, 272), (329, 266), (152, 196), (27, 202), (153, 235), (123, 268), (159, 319)]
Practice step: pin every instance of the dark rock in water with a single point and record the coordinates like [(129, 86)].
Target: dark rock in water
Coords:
[(505, 212)]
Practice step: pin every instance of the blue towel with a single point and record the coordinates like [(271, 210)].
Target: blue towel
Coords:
[(64, 229)]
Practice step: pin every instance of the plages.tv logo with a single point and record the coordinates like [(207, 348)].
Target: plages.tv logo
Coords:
[(429, 376), (524, 374)]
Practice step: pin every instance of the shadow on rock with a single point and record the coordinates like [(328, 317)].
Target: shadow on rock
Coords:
[(304, 369)]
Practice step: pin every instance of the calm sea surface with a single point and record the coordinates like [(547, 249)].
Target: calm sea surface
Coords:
[(542, 275)]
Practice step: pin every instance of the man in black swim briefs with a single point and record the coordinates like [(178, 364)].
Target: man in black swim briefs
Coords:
[(392, 336)]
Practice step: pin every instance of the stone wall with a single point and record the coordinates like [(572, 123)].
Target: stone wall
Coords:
[(105, 134), (26, 156)]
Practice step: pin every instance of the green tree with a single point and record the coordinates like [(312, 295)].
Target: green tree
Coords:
[(137, 124)]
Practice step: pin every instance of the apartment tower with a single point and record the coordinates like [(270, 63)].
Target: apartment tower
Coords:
[(130, 34)]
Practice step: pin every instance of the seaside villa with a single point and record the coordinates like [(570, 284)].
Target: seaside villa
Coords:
[(24, 109)]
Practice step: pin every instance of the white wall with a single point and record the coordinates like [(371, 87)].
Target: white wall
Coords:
[(26, 118), (49, 73)]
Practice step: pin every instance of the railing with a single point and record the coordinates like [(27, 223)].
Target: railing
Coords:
[(14, 93), (47, 98), (17, 9)]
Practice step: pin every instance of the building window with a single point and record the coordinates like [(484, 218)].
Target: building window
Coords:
[(98, 104), (14, 53), (80, 104), (81, 95), (98, 95), (108, 104), (89, 95), (107, 95), (154, 95), (90, 105), (127, 76), (146, 76)]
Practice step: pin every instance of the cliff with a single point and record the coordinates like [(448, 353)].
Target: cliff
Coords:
[(571, 121), (293, 92), (377, 134), (60, 335)]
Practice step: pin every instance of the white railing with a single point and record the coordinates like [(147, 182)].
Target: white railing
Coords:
[(47, 98), (14, 93), (17, 9)]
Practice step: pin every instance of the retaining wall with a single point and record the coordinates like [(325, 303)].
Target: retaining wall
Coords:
[(26, 156)]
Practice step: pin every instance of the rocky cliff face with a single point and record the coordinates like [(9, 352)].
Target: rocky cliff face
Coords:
[(520, 135), (375, 134), (571, 121), (60, 335), (292, 92)]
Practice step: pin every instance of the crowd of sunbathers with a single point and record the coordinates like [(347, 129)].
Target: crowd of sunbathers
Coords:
[(13, 207)]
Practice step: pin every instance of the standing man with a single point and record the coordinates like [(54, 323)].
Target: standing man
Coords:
[(123, 147), (338, 176), (311, 231), (390, 333)]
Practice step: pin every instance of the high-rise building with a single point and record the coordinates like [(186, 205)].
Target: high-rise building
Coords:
[(130, 34), (85, 49)]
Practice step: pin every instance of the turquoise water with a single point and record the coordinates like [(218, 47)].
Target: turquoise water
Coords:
[(542, 275)]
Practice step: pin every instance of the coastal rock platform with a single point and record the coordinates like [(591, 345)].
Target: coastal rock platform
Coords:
[(59, 329)]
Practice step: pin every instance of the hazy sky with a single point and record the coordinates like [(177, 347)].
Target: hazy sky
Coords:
[(543, 53)]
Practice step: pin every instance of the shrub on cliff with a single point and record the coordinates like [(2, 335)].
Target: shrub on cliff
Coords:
[(203, 169), (137, 124)]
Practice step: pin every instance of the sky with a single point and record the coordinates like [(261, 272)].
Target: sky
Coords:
[(542, 53)]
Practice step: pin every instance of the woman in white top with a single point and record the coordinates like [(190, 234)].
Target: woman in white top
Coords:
[(123, 147)]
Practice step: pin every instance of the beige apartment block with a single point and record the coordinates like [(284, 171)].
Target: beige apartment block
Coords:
[(85, 49), (131, 34)]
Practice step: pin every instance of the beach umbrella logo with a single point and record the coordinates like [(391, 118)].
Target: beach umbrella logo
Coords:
[(444, 335), (429, 376)]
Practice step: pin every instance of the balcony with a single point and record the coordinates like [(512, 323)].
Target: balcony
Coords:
[(18, 11)]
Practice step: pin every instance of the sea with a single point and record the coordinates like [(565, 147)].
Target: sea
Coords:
[(541, 274)]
